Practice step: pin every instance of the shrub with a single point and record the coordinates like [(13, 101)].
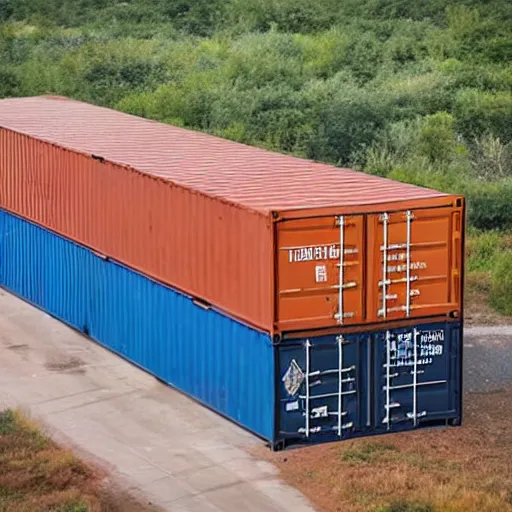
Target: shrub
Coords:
[(491, 159), (6, 10), (480, 112), (323, 53), (485, 77), (363, 56), (489, 204), (423, 93), (7, 422), (286, 15), (258, 60), (483, 249), (199, 17), (9, 84), (346, 119), (437, 140), (501, 287)]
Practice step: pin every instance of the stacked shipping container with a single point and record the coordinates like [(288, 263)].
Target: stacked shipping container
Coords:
[(333, 296)]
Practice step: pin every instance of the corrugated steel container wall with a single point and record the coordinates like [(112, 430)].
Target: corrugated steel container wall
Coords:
[(207, 248), (218, 361)]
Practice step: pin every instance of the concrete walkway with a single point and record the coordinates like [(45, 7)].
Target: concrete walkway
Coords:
[(487, 358), (156, 442)]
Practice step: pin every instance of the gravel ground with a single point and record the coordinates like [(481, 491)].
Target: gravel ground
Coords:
[(487, 358)]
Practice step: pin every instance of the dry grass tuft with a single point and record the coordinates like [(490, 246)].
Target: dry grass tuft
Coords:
[(477, 304), (466, 469), (37, 475)]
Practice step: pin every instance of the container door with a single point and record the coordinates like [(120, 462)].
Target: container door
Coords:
[(414, 268), (320, 272), (324, 388), (417, 376)]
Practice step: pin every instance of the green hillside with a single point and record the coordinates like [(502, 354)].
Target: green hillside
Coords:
[(416, 91)]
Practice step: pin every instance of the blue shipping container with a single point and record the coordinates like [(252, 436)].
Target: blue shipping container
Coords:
[(343, 386), (312, 389)]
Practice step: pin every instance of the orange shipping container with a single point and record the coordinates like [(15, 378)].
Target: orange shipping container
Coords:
[(281, 243)]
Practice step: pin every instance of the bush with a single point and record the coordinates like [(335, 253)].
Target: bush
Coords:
[(258, 60), (323, 53), (491, 159), (484, 77), (7, 422), (199, 17), (346, 119), (501, 288), (483, 248), (6, 10), (479, 112), (437, 138), (302, 16), (9, 84), (364, 56), (489, 204), (423, 93)]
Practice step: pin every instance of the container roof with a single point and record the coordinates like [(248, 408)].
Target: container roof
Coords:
[(255, 178)]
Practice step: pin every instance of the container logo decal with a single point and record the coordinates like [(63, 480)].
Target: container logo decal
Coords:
[(432, 336), (321, 274), (317, 253), (293, 378), (430, 345)]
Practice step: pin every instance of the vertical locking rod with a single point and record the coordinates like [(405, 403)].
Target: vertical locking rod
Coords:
[(340, 382), (409, 216), (388, 378), (385, 220), (341, 222), (308, 346), (415, 378)]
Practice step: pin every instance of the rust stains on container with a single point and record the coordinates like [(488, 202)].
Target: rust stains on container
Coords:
[(278, 242)]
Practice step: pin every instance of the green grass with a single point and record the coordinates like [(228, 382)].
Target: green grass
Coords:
[(7, 422), (484, 249), (501, 285), (367, 453), (489, 266), (73, 507), (37, 475), (403, 506)]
